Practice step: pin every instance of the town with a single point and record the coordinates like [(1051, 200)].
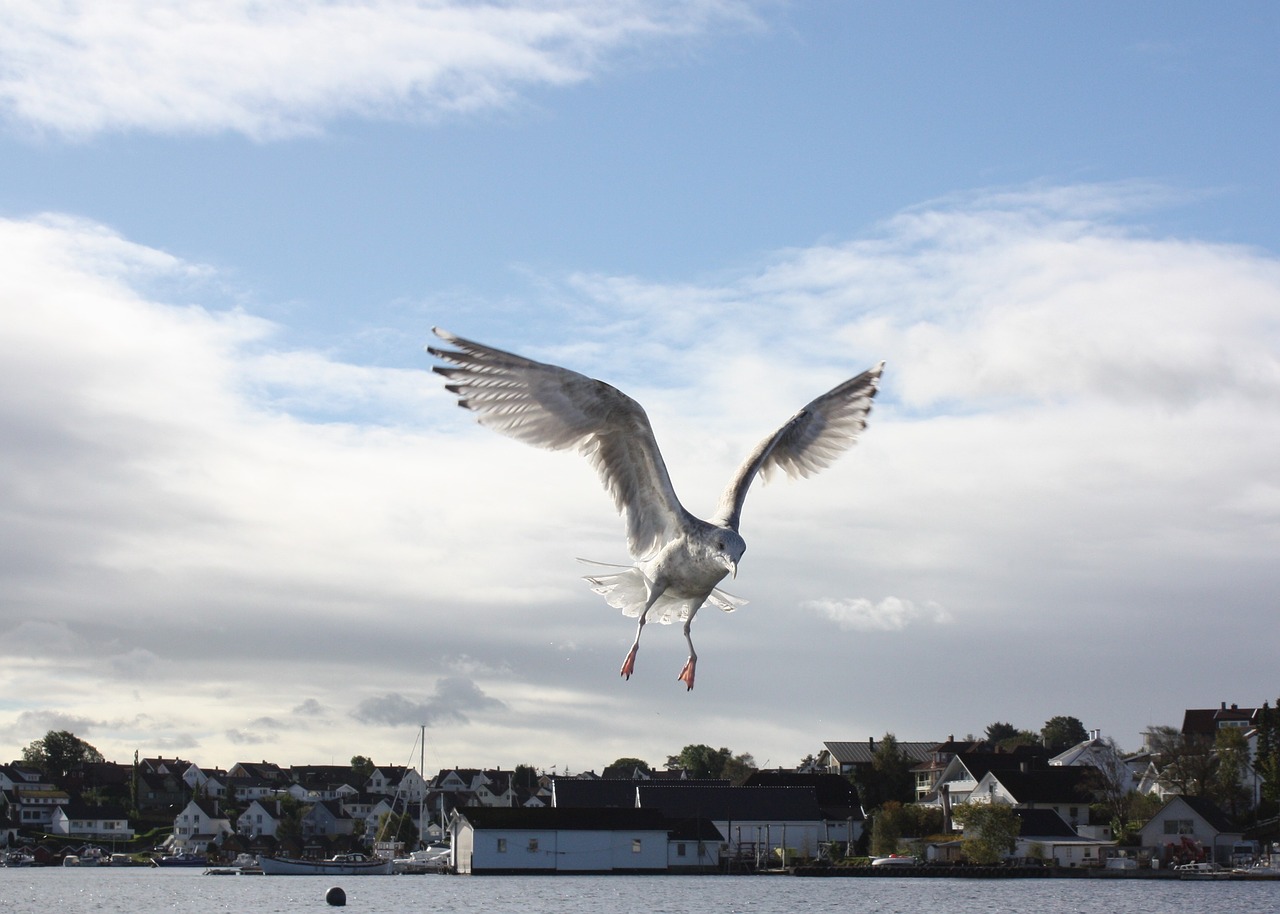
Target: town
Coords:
[(1200, 799)]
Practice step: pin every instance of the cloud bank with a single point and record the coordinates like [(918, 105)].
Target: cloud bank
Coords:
[(1076, 434), (287, 68)]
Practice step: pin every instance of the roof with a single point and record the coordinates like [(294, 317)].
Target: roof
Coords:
[(1048, 785), (1210, 812), (1044, 823), (727, 804), (862, 753), (1207, 721), (85, 811), (616, 793), (837, 797), (551, 817)]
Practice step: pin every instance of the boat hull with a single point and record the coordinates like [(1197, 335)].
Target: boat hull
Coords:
[(365, 866)]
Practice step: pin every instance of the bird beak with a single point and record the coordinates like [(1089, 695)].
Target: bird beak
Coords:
[(731, 565)]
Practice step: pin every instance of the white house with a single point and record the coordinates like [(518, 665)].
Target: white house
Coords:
[(107, 823), (1186, 826), (199, 823), (260, 818), (503, 840)]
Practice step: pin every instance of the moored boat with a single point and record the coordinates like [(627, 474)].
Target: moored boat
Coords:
[(340, 865)]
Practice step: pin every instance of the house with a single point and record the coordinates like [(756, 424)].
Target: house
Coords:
[(405, 783), (854, 758), (1190, 828), (755, 821), (260, 771), (1064, 790), (1046, 836), (551, 840), (260, 818), (33, 806), (327, 818), (964, 768), (1206, 722), (837, 799), (102, 823), (160, 788), (200, 823)]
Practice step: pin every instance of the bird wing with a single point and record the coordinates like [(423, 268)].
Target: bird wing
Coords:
[(809, 441), (556, 408)]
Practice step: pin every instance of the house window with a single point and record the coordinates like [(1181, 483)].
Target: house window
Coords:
[(502, 845), (533, 845), (1179, 827), (635, 845), (680, 850)]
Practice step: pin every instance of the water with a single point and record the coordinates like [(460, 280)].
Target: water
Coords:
[(144, 891)]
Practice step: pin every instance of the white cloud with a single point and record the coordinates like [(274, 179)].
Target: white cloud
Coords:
[(1076, 434), (270, 70), (889, 615)]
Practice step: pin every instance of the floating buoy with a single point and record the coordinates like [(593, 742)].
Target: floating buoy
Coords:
[(336, 897)]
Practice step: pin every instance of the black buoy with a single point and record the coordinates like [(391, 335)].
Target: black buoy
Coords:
[(336, 897)]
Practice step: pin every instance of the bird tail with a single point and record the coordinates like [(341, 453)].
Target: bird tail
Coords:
[(626, 587)]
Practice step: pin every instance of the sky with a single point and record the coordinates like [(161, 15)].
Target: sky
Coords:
[(241, 520)]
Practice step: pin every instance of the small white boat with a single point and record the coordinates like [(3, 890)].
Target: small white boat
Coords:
[(432, 859), (340, 865), (896, 860)]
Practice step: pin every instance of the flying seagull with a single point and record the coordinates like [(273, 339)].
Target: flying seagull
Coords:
[(679, 558)]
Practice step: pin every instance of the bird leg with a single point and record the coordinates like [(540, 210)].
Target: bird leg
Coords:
[(686, 675), (655, 590)]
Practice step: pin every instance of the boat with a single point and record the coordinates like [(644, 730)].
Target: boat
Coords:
[(1202, 871), (434, 858), (895, 860), (339, 865), (183, 859)]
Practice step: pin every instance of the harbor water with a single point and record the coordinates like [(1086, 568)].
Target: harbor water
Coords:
[(131, 890)]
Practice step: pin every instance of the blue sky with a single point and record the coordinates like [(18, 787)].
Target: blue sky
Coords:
[(230, 227)]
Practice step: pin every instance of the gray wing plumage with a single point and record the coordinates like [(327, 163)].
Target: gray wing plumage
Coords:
[(810, 440), (555, 408)]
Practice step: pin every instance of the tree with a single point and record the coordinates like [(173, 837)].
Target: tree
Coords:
[(1227, 788), (631, 764), (886, 829), (1061, 733), (397, 827), (58, 752), (362, 770), (701, 761), (1186, 761), (738, 768), (1267, 760), (889, 776), (1111, 780), (999, 732), (990, 830)]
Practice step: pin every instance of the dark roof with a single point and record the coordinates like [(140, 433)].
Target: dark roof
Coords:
[(855, 753), (981, 762), (1207, 721), (80, 810), (1062, 784), (619, 793), (777, 804), (835, 794), (1210, 812), (694, 828), (1043, 823), (548, 817)]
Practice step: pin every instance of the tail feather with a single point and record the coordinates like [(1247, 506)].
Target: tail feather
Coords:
[(626, 587)]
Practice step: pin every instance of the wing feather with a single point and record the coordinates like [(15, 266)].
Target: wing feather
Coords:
[(555, 408), (809, 441)]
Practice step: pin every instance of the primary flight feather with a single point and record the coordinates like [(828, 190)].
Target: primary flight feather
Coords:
[(679, 558)]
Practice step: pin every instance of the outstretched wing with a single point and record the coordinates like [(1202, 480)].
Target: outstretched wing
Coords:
[(555, 408), (810, 440)]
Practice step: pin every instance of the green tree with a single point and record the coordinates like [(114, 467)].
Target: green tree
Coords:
[(887, 828), (1061, 733), (631, 764), (1227, 788), (1186, 761), (397, 827), (58, 752), (998, 732), (990, 830), (701, 761), (889, 776), (737, 768), (362, 770)]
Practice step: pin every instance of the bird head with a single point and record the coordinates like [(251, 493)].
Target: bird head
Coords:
[(728, 548)]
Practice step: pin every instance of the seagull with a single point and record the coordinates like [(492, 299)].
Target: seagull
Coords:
[(680, 558)]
